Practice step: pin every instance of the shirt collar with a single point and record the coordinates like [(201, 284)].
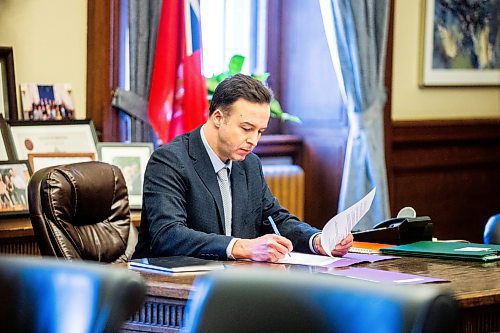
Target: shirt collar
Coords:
[(216, 161)]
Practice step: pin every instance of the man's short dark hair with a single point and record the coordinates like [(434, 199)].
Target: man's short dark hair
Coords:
[(236, 87)]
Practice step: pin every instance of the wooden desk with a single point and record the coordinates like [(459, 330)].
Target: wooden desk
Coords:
[(476, 287), (16, 235)]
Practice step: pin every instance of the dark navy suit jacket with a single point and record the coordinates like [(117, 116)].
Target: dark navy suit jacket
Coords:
[(182, 212)]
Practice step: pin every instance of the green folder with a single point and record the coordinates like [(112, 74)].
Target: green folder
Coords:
[(447, 250)]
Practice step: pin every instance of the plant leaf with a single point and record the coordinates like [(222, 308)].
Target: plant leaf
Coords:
[(261, 77), (276, 108), (211, 83), (288, 117), (236, 64)]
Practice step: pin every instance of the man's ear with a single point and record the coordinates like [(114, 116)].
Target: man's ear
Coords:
[(218, 117)]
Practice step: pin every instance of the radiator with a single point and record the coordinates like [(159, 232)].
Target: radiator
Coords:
[(287, 184)]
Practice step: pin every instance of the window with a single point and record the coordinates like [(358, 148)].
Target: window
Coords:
[(233, 27)]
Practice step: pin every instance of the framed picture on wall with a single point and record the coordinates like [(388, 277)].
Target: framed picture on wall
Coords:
[(461, 43), (14, 181), (72, 136), (132, 159), (44, 160), (8, 102)]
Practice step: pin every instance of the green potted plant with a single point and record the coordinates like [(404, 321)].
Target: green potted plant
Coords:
[(235, 66)]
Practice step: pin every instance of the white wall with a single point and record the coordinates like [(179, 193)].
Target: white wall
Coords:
[(49, 38)]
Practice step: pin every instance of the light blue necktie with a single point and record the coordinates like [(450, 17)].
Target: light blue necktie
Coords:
[(225, 191)]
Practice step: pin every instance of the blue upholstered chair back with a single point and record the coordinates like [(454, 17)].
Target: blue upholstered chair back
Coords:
[(492, 230), (45, 295), (245, 300)]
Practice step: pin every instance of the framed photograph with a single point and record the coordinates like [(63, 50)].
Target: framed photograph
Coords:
[(132, 159), (47, 101), (72, 136), (14, 181), (461, 43), (8, 101), (6, 152), (43, 160)]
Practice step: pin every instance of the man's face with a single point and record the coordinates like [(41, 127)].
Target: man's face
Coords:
[(240, 129)]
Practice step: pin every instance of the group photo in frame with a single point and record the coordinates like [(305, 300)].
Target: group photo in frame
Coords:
[(47, 101), (44, 160), (461, 43), (72, 136), (8, 101), (132, 159), (15, 177)]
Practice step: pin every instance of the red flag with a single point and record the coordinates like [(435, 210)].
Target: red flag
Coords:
[(178, 96)]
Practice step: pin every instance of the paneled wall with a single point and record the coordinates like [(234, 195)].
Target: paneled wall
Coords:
[(449, 170)]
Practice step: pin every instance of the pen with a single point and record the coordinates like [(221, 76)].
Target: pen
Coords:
[(275, 229)]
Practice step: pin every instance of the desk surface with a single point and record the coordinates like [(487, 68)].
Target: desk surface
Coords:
[(473, 284)]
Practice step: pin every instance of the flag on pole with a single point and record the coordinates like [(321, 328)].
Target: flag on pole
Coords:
[(178, 95)]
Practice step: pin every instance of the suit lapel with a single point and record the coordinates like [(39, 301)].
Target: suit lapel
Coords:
[(240, 197), (205, 170)]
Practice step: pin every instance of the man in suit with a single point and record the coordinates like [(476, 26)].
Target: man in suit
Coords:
[(183, 209)]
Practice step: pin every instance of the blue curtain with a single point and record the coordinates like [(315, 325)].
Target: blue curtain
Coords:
[(356, 31)]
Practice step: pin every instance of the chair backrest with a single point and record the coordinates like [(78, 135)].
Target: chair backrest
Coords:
[(268, 301), (50, 296), (492, 230), (81, 211)]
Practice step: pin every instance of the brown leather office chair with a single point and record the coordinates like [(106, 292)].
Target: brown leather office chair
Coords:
[(251, 300), (45, 295), (81, 211)]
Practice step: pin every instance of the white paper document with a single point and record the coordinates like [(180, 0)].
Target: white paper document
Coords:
[(341, 224), (297, 258)]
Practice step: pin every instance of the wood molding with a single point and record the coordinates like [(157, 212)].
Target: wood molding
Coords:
[(407, 132), (449, 170), (274, 145), (102, 65)]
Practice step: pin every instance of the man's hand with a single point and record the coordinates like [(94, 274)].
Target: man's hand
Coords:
[(340, 249), (269, 247)]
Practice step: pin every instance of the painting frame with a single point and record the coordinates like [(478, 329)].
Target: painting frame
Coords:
[(132, 159), (8, 99), (39, 161), (72, 136), (18, 197), (6, 150), (441, 58)]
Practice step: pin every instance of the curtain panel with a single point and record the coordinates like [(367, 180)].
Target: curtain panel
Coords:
[(356, 32)]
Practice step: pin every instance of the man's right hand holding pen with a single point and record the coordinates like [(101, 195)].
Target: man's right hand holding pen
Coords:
[(270, 247)]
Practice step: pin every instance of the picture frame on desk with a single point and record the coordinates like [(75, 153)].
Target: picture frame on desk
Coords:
[(15, 176), (8, 100), (132, 159), (44, 160), (72, 136), (456, 51)]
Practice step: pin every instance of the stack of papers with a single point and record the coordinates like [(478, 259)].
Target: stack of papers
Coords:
[(367, 248)]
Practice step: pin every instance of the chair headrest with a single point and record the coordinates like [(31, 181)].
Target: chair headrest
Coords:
[(82, 193)]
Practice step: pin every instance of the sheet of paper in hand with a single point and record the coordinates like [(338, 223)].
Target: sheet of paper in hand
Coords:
[(341, 224)]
